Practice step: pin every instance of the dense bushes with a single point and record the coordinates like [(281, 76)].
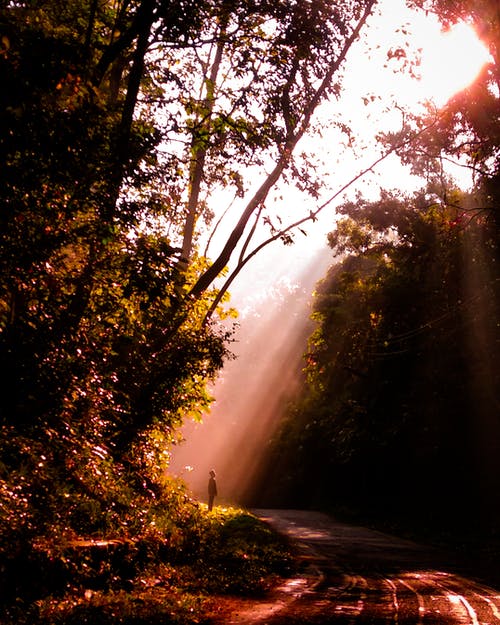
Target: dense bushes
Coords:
[(162, 571)]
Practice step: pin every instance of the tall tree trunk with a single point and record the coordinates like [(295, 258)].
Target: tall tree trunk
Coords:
[(199, 145), (121, 155)]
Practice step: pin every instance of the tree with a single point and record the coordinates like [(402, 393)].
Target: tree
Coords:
[(261, 82), (402, 386), (401, 371), (122, 118)]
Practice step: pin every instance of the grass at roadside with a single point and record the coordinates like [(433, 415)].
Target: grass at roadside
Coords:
[(164, 576)]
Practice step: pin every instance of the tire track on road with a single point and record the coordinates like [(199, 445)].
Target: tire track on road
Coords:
[(357, 576)]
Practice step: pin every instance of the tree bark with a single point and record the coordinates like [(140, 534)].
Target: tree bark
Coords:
[(145, 21)]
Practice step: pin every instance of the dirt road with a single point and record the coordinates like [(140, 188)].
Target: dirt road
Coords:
[(353, 575)]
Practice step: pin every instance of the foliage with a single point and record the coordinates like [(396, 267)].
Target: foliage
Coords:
[(466, 130), (88, 299), (158, 560), (236, 554), (121, 120), (149, 606), (398, 417), (402, 370)]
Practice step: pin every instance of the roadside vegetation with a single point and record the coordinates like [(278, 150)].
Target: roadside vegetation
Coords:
[(171, 568), (124, 122)]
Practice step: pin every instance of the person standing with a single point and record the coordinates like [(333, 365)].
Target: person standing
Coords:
[(212, 490)]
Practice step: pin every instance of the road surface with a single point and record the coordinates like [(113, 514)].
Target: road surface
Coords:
[(354, 575)]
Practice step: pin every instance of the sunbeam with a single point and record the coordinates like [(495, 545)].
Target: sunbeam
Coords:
[(252, 391)]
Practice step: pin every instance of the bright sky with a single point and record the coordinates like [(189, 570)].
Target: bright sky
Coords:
[(376, 89), (377, 86), (449, 60)]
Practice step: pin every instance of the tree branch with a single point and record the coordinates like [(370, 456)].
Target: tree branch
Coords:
[(293, 137), (312, 216)]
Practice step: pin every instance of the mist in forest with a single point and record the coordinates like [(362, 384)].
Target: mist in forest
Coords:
[(255, 387)]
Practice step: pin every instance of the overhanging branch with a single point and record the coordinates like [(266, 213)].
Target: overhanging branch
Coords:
[(311, 216)]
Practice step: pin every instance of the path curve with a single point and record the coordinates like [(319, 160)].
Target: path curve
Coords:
[(353, 575)]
